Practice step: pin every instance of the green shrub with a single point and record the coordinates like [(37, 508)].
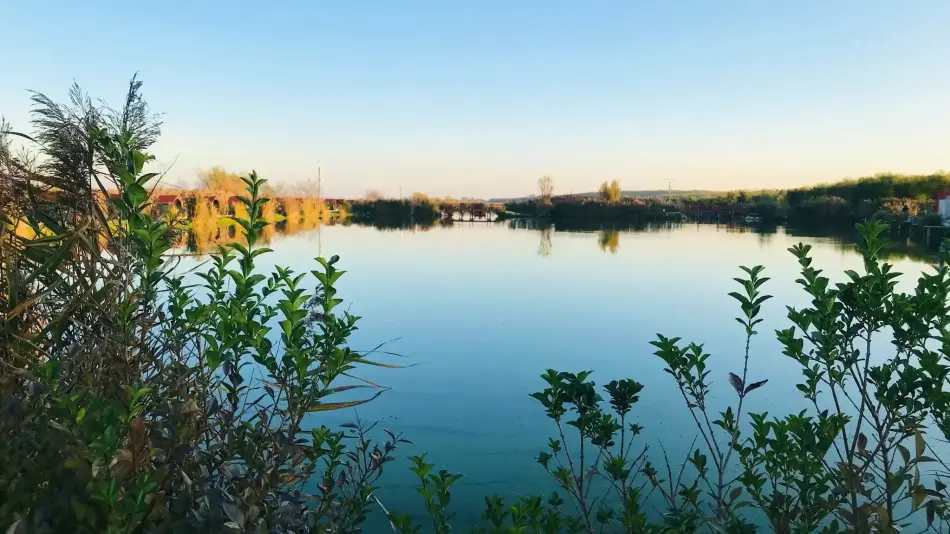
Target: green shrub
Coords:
[(132, 401), (856, 462), (825, 208)]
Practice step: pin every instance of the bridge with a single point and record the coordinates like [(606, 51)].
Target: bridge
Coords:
[(186, 201), (470, 211), (164, 201)]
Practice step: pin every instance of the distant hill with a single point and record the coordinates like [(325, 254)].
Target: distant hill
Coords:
[(642, 194)]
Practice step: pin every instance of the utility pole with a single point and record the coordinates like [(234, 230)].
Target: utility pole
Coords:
[(322, 207), (669, 189)]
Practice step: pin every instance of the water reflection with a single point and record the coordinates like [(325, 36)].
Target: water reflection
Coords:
[(896, 247), (609, 240), (544, 248), (402, 225), (668, 278), (206, 233), (608, 237)]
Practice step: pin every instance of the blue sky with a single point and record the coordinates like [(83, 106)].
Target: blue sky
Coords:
[(480, 98)]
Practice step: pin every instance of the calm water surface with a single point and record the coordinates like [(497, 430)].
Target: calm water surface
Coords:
[(480, 311)]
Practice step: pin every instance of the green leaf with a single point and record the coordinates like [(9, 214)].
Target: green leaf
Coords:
[(905, 454), (734, 494), (378, 364), (139, 159), (214, 360), (755, 385), (144, 179), (137, 194), (328, 406), (338, 389)]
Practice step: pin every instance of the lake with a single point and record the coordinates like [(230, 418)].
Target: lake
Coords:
[(479, 311)]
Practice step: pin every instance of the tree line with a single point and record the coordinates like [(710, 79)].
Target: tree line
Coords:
[(885, 196)]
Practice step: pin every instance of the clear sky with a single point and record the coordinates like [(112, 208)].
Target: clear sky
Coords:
[(481, 97)]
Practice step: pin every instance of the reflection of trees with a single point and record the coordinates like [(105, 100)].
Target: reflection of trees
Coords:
[(210, 232), (897, 249), (398, 225), (527, 224), (609, 240), (544, 248), (845, 238)]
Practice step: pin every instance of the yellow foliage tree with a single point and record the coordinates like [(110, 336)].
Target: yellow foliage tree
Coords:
[(240, 212), (611, 192), (204, 226), (420, 198), (292, 214), (219, 179), (269, 212), (309, 212)]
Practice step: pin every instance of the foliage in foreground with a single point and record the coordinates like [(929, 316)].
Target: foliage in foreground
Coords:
[(858, 460), (134, 402), (131, 401)]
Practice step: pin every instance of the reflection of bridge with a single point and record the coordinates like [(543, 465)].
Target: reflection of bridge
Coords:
[(162, 202), (470, 211)]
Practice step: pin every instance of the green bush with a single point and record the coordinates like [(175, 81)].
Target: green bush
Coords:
[(879, 187), (856, 462), (134, 402), (825, 208)]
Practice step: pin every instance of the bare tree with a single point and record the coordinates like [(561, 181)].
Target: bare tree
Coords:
[(546, 185), (373, 194)]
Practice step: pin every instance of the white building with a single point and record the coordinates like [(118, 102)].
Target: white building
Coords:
[(943, 207)]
